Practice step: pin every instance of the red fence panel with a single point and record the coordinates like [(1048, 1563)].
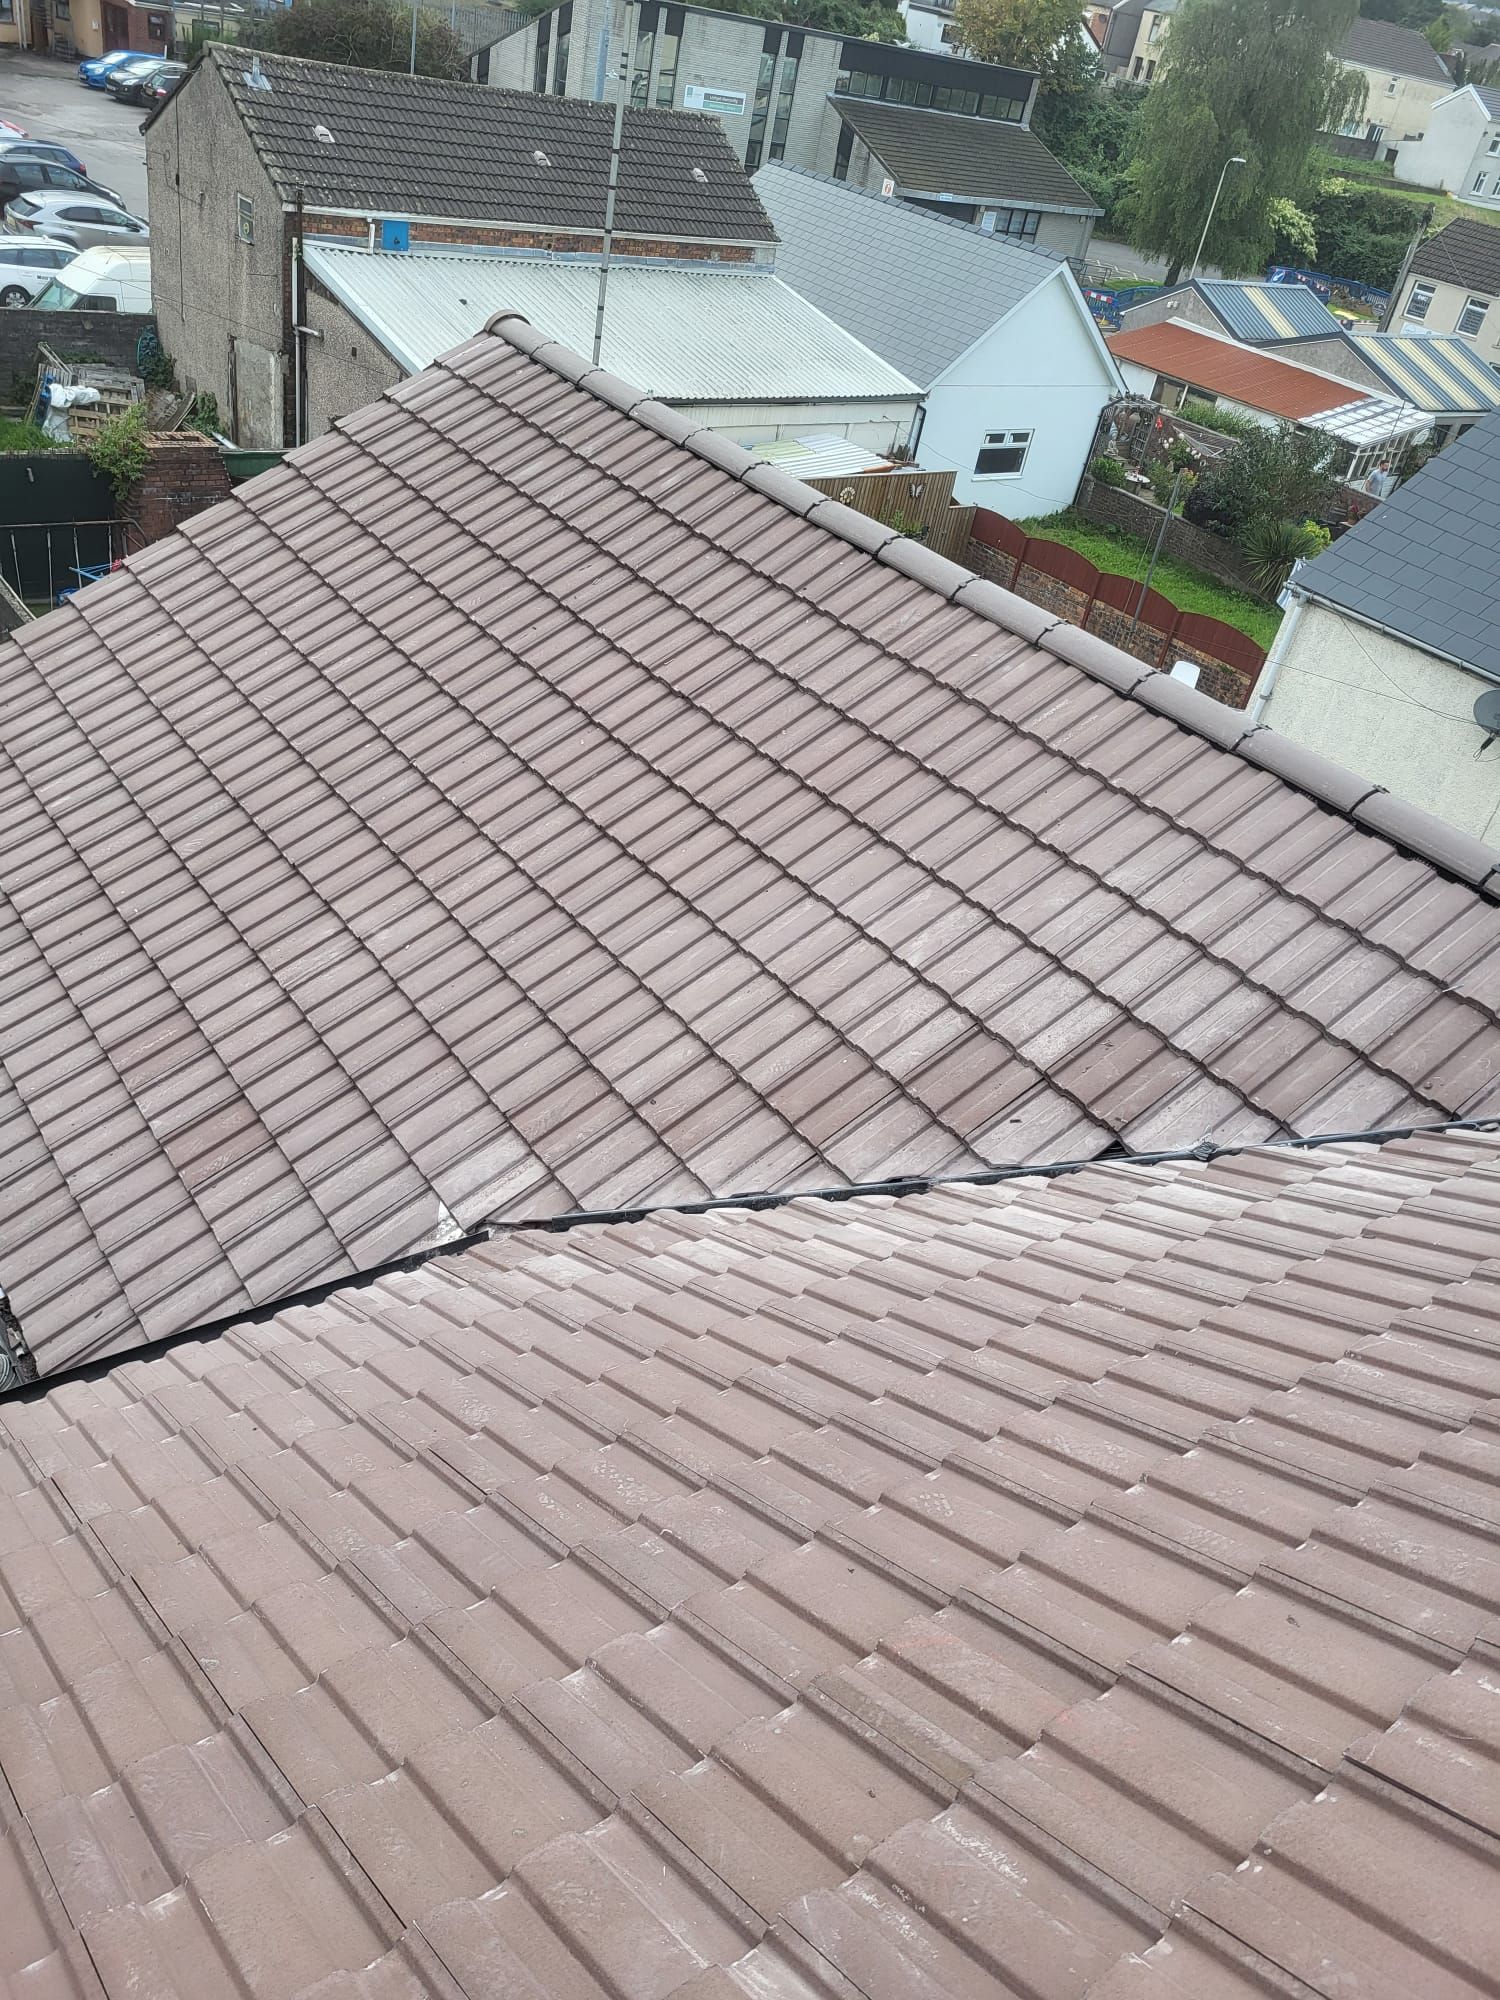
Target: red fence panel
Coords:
[(996, 532), (1055, 559), (1235, 648), (1123, 593)]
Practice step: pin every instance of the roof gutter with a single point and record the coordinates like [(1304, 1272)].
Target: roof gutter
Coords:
[(1301, 594)]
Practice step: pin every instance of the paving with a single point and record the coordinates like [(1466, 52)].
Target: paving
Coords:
[(47, 98), (1078, 1589)]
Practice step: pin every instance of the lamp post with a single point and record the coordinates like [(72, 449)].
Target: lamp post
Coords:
[(1234, 160)]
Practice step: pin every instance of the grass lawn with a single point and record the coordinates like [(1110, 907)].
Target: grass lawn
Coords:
[(1189, 589), (24, 437), (1367, 173)]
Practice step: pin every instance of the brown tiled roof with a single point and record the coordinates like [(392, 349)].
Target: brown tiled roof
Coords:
[(504, 809), (1083, 1588), (1205, 362)]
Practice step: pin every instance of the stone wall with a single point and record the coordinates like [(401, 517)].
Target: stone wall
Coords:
[(1114, 507), (185, 476), (102, 336)]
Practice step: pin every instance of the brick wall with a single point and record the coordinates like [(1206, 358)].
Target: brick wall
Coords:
[(1141, 638), (1113, 507), (185, 476), (109, 337), (564, 242)]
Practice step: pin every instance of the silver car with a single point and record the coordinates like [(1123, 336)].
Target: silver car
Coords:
[(73, 218), (26, 268)]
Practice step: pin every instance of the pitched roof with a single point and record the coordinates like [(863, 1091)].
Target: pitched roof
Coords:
[(1257, 312), (1077, 1586), (686, 335), (1489, 97), (1463, 253), (841, 246), (1423, 563), (973, 159), (1385, 45), (1261, 381), (1436, 371), (405, 145), (509, 808)]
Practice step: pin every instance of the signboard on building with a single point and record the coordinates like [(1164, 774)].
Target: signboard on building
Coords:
[(887, 188), (703, 97)]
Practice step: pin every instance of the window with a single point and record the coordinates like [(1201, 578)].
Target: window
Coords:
[(928, 96), (1471, 319), (1390, 89), (1020, 224), (1420, 300), (645, 50), (671, 49), (760, 110), (61, 10), (1494, 145), (1140, 64), (564, 37), (1478, 187), (246, 218), (1002, 455), (482, 66), (543, 51), (842, 156), (1150, 71), (785, 91)]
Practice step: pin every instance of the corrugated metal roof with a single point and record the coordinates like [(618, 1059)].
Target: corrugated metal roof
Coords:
[(688, 336), (1439, 372), (819, 457), (420, 145), (1269, 312), (507, 807), (1082, 1588), (841, 246), (1423, 563), (1263, 382)]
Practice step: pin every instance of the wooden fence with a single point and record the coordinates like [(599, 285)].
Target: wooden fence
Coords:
[(916, 502), (1146, 625)]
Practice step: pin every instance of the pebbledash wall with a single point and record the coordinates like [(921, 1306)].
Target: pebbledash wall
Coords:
[(1150, 629)]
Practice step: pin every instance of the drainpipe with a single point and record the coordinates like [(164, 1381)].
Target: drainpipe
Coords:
[(299, 314), (1265, 687)]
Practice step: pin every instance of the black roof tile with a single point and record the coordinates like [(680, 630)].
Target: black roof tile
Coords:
[(975, 159)]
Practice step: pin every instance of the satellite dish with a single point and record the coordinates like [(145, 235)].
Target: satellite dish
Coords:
[(1487, 711)]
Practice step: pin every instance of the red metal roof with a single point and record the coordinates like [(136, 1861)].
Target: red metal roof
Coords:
[(1085, 1588), (1260, 381), (508, 808)]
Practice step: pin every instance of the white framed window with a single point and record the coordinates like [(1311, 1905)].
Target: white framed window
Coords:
[(1494, 145), (246, 218), (1421, 298), (1478, 187), (1471, 319), (1391, 87), (1002, 455)]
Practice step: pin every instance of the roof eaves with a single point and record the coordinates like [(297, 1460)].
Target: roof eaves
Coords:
[(1406, 827)]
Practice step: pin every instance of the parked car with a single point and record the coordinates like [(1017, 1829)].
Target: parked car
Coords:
[(26, 268), (41, 149), (73, 218), (99, 280), (9, 129), (159, 87), (125, 79), (18, 177), (95, 71)]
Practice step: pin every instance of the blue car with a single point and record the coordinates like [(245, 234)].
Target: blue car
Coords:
[(95, 72)]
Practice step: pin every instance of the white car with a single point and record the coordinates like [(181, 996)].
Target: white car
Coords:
[(26, 267)]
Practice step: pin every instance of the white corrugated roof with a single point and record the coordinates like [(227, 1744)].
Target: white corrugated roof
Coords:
[(688, 336), (819, 457)]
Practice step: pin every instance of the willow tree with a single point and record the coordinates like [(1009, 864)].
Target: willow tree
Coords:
[(1257, 78)]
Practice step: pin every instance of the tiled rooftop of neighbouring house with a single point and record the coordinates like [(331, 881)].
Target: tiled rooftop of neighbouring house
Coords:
[(513, 806), (1260, 381), (405, 145), (969, 159), (1082, 1588)]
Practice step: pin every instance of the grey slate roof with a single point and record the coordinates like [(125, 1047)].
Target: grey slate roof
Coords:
[(1489, 97), (1465, 253), (419, 146), (976, 159), (1423, 563), (877, 266), (1385, 45)]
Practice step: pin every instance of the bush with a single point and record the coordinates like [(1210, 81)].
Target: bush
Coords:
[(1180, 453), (1212, 418), (119, 449), (1107, 471), (1272, 546), (1281, 475)]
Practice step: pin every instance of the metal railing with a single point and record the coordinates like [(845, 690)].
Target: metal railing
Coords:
[(43, 561)]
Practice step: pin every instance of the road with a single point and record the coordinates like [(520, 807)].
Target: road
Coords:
[(46, 97)]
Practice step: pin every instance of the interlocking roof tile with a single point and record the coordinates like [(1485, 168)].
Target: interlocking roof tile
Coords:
[(506, 809), (1078, 1586)]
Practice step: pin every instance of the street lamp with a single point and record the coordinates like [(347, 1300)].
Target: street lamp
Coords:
[(1235, 160)]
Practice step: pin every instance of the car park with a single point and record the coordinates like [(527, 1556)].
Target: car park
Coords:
[(22, 176), (95, 71), (28, 267), (125, 80), (41, 149), (74, 218), (99, 280)]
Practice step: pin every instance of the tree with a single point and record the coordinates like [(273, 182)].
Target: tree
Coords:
[(363, 34), (1251, 77), (1045, 35), (1093, 133), (1281, 475)]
